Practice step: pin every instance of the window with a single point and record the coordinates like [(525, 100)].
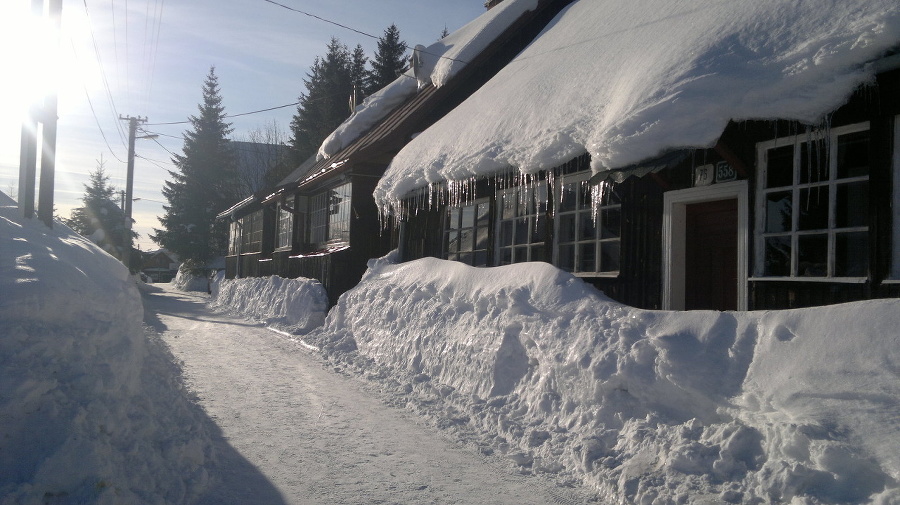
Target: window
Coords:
[(285, 220), (466, 233), (330, 216), (522, 224), (234, 237), (588, 234), (813, 202), (253, 231)]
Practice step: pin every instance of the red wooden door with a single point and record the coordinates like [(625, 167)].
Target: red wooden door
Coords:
[(711, 256)]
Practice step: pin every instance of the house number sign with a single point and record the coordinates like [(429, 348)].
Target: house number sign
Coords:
[(705, 175)]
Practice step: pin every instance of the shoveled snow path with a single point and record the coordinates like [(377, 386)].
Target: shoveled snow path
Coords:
[(317, 436)]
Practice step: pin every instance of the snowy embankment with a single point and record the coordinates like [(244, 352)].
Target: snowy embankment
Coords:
[(798, 406), (295, 305), (89, 410)]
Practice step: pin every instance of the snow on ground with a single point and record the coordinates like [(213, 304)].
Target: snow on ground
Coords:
[(799, 406), (90, 410), (294, 305), (629, 81)]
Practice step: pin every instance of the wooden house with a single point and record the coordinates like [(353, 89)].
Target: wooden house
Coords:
[(160, 265), (775, 214), (321, 222)]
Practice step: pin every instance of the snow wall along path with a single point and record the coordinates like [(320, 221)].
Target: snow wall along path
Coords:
[(90, 412), (295, 305), (646, 406)]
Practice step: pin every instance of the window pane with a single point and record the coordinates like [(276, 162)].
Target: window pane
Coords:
[(506, 233), (778, 257), (521, 231), (540, 229), (506, 256), (814, 166), (508, 206), (537, 252), (780, 166), (567, 258), (520, 254), (812, 255), (611, 220), (481, 237), (609, 256), (813, 208), (853, 155), (468, 217), (851, 254), (453, 220), (569, 198), (453, 241), (778, 212), (587, 257), (586, 228), (852, 204), (466, 239), (483, 214), (567, 227), (480, 259)]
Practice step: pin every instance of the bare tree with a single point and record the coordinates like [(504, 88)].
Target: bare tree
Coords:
[(260, 153)]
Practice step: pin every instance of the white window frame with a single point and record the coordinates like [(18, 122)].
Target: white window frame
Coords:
[(796, 186), (284, 232), (534, 217), (457, 213), (582, 178), (324, 216)]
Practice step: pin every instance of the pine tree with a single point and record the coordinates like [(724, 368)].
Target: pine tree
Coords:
[(204, 184), (324, 105), (389, 61), (99, 218), (358, 74)]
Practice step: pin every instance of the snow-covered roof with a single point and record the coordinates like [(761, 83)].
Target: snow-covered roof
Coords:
[(439, 62), (628, 81)]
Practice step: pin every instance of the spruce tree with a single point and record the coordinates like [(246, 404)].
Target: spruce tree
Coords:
[(324, 105), (358, 75), (389, 61), (204, 184), (100, 218)]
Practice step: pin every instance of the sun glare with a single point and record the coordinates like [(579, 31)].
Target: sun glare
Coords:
[(38, 59)]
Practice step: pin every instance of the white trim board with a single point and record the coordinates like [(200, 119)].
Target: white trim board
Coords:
[(673, 238)]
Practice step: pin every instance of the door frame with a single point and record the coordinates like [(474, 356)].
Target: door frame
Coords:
[(674, 231)]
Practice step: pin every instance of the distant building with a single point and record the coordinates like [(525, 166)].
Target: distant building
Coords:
[(160, 265)]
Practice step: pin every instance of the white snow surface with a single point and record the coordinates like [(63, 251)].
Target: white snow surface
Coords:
[(441, 61), (294, 305), (799, 406), (90, 410), (629, 81)]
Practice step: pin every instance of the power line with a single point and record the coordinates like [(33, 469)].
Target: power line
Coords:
[(226, 116), (273, 2)]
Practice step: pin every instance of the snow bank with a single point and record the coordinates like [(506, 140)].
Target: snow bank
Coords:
[(439, 62), (297, 305), (629, 81), (89, 413), (186, 281), (796, 406)]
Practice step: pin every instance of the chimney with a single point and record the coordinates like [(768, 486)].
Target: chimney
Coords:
[(489, 4)]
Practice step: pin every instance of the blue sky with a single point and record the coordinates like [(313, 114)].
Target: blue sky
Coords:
[(153, 56)]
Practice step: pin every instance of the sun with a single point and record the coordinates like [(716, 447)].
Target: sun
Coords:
[(39, 59)]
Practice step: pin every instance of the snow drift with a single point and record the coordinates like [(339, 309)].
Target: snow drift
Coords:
[(89, 410), (798, 406), (295, 305), (629, 81)]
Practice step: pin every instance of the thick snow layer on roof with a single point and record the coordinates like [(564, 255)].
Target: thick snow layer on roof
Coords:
[(626, 81), (797, 406), (90, 408), (440, 62)]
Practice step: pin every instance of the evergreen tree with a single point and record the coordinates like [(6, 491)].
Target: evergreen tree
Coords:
[(389, 61), (444, 33), (324, 105), (358, 75), (204, 184), (99, 218)]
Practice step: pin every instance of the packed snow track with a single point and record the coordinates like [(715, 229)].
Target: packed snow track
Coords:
[(315, 436)]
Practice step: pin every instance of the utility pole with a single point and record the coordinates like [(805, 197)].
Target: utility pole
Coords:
[(129, 182), (28, 146)]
